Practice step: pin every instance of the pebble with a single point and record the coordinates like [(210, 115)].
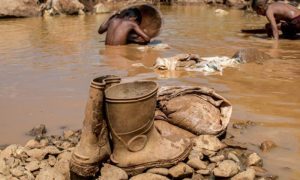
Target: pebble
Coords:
[(232, 156), (254, 159), (49, 174), (17, 172), (226, 168), (208, 142), (197, 164), (181, 170), (267, 146), (249, 174), (68, 133), (112, 172), (195, 154), (203, 171), (160, 171), (51, 160), (32, 166), (149, 176), (217, 158)]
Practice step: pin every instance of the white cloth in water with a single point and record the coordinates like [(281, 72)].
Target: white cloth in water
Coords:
[(192, 62)]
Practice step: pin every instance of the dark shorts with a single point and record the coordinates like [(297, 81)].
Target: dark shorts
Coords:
[(291, 28)]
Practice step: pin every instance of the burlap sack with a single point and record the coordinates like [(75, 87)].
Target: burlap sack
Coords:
[(197, 109)]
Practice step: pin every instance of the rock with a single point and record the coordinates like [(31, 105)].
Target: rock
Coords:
[(254, 159), (197, 164), (68, 133), (208, 142), (37, 154), (32, 166), (180, 171), (221, 12), (44, 164), (203, 171), (4, 169), (267, 146), (208, 153), (39, 130), (62, 164), (239, 4), (9, 151), (259, 171), (217, 158), (148, 176), (69, 7), (226, 168), (112, 172), (232, 156), (197, 177), (195, 154), (18, 171), (50, 174), (66, 145), (101, 8), (19, 8), (234, 144), (160, 171), (249, 174), (51, 160), (31, 144), (251, 55), (211, 166), (27, 176)]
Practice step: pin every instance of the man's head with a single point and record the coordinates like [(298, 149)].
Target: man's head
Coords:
[(260, 6), (132, 14)]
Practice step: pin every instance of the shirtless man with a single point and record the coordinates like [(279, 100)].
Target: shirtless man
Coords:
[(124, 28), (281, 16)]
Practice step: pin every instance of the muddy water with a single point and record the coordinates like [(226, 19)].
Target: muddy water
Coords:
[(46, 65)]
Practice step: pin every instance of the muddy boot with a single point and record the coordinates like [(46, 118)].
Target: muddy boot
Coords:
[(137, 144), (93, 146)]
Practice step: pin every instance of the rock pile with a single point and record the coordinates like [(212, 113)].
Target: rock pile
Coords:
[(48, 157)]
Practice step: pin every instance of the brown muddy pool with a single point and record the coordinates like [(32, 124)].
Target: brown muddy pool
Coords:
[(46, 65)]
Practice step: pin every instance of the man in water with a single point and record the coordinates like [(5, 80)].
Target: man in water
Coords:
[(124, 28), (281, 16)]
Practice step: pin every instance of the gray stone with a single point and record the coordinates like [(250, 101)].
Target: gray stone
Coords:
[(197, 164), (32, 166), (217, 158), (19, 8), (50, 174), (208, 142), (148, 176), (112, 172), (181, 170), (249, 174), (254, 159), (226, 168), (160, 171)]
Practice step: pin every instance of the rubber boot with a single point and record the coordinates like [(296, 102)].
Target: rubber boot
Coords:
[(93, 147), (137, 144)]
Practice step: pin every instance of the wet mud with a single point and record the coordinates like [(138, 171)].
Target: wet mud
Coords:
[(46, 66)]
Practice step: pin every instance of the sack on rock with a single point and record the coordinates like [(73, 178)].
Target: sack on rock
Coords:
[(199, 110)]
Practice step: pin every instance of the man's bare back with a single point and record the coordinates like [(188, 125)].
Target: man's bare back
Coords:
[(280, 15), (119, 30)]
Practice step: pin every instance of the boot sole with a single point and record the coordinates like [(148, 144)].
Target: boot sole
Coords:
[(134, 170), (82, 169)]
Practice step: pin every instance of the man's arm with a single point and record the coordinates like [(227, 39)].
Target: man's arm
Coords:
[(103, 28), (140, 32), (271, 19)]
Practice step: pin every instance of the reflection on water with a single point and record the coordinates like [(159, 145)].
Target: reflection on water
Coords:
[(46, 65)]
